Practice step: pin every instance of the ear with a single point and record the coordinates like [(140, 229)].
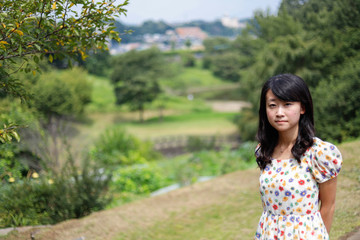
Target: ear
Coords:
[(302, 110)]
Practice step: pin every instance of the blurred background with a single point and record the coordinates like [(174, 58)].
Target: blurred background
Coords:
[(173, 103)]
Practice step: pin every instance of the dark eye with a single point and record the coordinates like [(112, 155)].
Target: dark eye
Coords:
[(272, 105), (288, 104)]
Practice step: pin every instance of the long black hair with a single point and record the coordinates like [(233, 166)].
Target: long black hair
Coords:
[(289, 88)]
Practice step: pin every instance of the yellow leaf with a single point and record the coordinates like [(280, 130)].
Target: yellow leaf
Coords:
[(51, 58), (17, 25), (53, 6), (34, 72), (19, 32), (83, 55), (72, 4), (11, 179), (4, 26), (3, 42)]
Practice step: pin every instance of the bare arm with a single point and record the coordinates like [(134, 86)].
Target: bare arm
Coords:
[(327, 196)]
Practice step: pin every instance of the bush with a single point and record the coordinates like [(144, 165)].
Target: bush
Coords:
[(197, 143), (209, 163), (61, 94), (70, 194), (188, 59), (138, 179), (116, 147)]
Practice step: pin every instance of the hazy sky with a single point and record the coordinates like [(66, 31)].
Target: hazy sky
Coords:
[(173, 11)]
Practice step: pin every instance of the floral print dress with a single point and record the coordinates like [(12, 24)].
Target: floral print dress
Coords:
[(290, 194)]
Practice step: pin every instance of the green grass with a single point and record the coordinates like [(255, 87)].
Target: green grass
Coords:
[(103, 97), (201, 123), (192, 77)]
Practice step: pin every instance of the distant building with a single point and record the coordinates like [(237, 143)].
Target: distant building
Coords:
[(230, 22), (191, 33)]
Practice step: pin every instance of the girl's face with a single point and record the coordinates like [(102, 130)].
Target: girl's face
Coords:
[(283, 116)]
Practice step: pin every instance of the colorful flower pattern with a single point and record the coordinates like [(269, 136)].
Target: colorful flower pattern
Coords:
[(290, 194)]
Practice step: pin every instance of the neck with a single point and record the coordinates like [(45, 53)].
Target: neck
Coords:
[(287, 139)]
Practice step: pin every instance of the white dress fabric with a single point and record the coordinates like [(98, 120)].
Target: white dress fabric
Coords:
[(290, 194)]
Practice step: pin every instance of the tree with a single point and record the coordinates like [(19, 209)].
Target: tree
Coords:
[(317, 40), (58, 96), (32, 30), (136, 78), (226, 66)]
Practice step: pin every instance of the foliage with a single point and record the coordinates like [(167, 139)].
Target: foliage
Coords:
[(98, 63), (32, 30), (116, 147), (136, 78), (227, 66), (15, 158), (247, 123), (10, 167), (197, 143), (216, 45), (188, 59), (138, 179), (73, 193), (315, 40), (209, 163), (64, 94), (344, 121), (54, 29)]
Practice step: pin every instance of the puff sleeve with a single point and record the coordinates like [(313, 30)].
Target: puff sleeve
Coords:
[(325, 161)]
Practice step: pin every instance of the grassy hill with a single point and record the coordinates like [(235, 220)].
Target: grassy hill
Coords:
[(227, 207)]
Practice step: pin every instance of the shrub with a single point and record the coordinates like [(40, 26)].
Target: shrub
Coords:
[(69, 194), (209, 163), (188, 59), (116, 147), (138, 179), (197, 143)]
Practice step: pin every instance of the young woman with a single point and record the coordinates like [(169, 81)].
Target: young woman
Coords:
[(298, 170)]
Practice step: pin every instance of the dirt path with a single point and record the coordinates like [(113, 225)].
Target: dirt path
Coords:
[(228, 106)]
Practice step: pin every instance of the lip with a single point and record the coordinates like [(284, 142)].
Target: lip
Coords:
[(281, 121)]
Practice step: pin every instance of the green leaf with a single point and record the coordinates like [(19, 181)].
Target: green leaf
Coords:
[(16, 136), (36, 59), (37, 46)]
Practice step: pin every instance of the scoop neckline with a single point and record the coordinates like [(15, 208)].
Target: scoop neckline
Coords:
[(287, 159)]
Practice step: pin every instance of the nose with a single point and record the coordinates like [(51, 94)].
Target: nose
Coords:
[(280, 111)]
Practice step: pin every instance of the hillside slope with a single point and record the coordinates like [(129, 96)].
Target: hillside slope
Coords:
[(227, 207)]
